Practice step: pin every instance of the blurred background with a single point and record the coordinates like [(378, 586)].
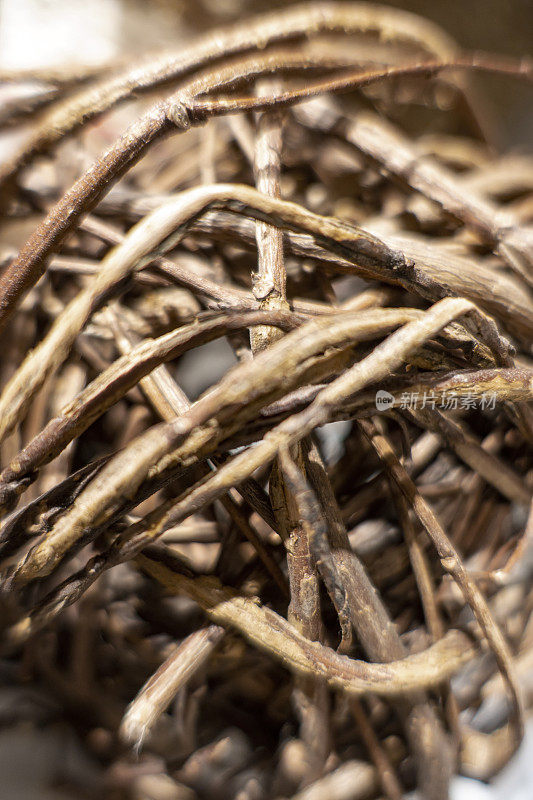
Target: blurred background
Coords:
[(93, 31)]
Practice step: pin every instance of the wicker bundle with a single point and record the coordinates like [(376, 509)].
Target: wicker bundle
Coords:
[(265, 433)]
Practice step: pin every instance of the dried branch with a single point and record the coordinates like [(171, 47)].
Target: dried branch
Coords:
[(174, 674), (122, 476), (452, 563), (271, 633)]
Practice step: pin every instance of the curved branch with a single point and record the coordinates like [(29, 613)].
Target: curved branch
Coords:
[(259, 33), (196, 433), (181, 110), (266, 630), (163, 229)]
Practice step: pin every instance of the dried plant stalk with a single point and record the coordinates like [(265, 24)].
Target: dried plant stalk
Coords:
[(164, 684), (267, 631)]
